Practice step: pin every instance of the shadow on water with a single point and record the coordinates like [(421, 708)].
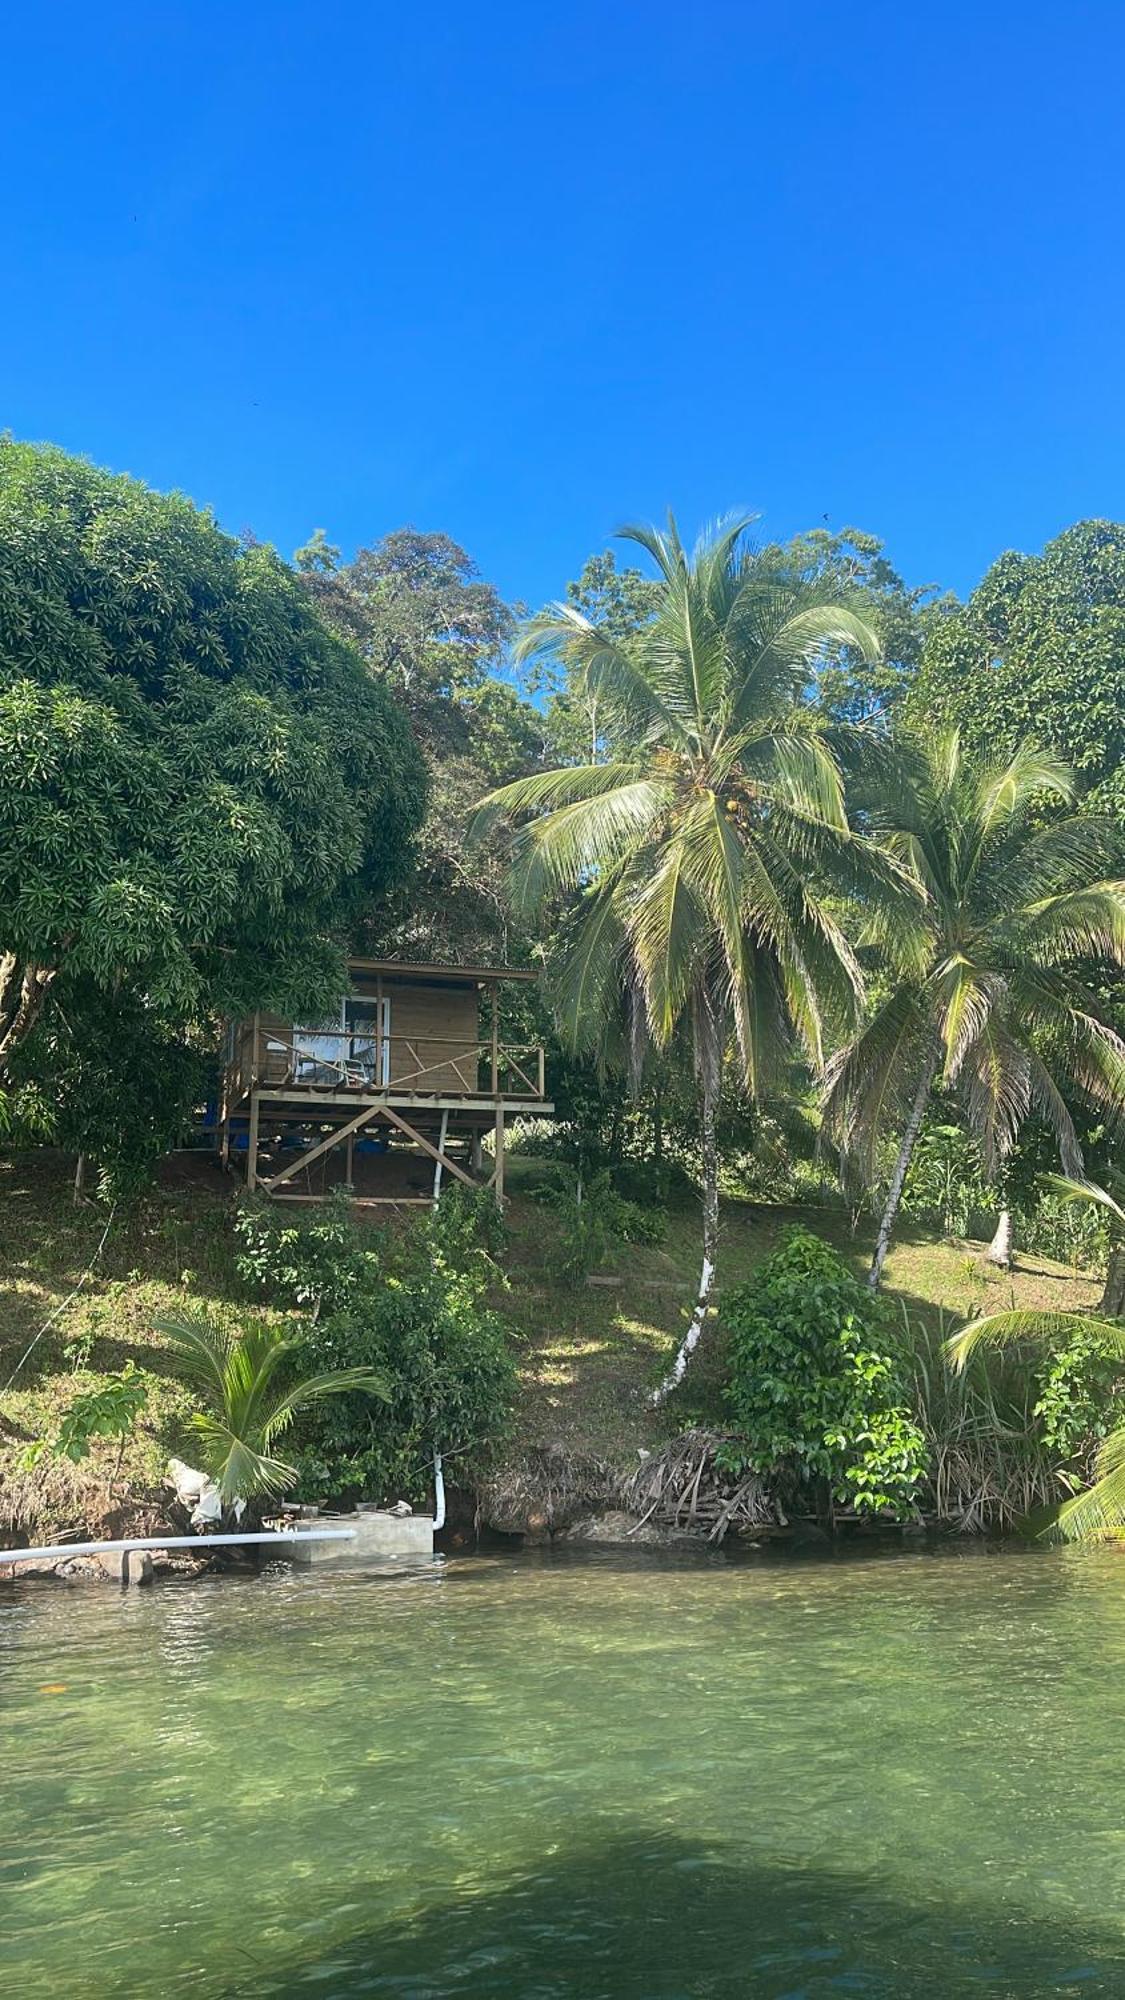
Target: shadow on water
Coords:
[(649, 1917)]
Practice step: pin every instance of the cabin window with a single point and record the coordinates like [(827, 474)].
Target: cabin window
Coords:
[(346, 1047)]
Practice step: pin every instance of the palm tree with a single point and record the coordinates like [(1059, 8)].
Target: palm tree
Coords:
[(984, 996), (237, 1376), (691, 852), (1100, 1510)]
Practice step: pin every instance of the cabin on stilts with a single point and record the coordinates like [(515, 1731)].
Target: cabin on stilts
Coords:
[(401, 1085)]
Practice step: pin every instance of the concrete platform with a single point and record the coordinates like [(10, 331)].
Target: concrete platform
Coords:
[(379, 1537)]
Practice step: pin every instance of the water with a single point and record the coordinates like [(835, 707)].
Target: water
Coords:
[(618, 1778)]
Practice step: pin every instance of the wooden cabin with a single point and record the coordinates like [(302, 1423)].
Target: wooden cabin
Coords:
[(412, 1065)]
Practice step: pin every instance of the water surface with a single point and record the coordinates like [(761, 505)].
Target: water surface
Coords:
[(609, 1778)]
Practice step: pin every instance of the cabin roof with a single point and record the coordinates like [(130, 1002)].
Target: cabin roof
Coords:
[(480, 974)]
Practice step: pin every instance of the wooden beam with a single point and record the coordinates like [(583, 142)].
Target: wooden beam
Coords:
[(384, 1111), (334, 1138), (495, 1043)]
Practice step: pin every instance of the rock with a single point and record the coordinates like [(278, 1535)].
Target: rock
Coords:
[(126, 1565)]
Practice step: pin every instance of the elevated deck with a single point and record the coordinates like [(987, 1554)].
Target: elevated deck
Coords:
[(404, 1062)]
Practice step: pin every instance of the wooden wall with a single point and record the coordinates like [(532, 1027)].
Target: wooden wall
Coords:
[(435, 1029)]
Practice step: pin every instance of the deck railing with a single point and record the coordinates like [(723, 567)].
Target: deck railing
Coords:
[(421, 1065)]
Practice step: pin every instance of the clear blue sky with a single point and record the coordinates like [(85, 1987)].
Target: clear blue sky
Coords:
[(521, 272)]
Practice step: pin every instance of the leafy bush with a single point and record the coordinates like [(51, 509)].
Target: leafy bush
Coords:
[(414, 1309), (111, 1410), (1081, 1398), (818, 1387), (592, 1217), (318, 1264), (945, 1186)]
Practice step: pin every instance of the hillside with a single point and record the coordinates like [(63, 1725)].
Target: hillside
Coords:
[(587, 1356)]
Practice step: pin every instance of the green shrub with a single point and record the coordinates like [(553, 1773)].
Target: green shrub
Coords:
[(318, 1263), (592, 1219), (1081, 1399), (818, 1388), (412, 1307)]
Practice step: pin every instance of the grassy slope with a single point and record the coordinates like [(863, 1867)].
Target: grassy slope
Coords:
[(588, 1357)]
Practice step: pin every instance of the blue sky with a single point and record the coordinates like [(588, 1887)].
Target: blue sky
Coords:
[(520, 273)]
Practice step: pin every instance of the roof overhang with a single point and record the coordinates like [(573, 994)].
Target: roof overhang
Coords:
[(476, 975)]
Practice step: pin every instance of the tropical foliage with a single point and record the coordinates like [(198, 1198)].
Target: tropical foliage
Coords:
[(251, 1387), (412, 1307), (200, 788), (984, 987), (692, 855), (819, 1393), (1074, 1339)]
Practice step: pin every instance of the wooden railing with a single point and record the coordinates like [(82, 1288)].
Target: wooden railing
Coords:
[(423, 1065)]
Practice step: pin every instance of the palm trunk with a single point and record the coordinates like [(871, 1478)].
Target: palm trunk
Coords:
[(1000, 1248), (905, 1154), (709, 1060), (1112, 1303)]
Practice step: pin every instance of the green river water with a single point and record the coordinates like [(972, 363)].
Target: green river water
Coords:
[(607, 1777)]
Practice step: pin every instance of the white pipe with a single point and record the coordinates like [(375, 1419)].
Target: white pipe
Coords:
[(439, 1493), (64, 1549)]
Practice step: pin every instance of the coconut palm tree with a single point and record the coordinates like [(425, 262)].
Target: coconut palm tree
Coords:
[(983, 994), (1100, 1509), (237, 1376), (693, 853)]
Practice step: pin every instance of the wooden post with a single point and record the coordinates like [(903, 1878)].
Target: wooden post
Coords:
[(350, 1162), (252, 1144), (476, 1158), (440, 1161), (379, 1033), (498, 1177), (542, 1073), (254, 1051), (495, 1040)]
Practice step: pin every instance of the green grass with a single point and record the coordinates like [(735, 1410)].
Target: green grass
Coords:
[(588, 1356)]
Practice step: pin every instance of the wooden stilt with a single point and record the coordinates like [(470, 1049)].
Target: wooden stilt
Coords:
[(252, 1144), (440, 1161), (349, 1168), (498, 1177), (476, 1155)]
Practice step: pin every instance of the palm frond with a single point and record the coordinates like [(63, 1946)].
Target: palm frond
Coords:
[(1006, 1329), (567, 848)]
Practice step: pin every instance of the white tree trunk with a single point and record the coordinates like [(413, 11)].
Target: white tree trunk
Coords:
[(709, 1059), (905, 1153), (1000, 1248)]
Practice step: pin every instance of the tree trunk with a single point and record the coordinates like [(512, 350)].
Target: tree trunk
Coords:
[(709, 1060), (18, 1016), (1112, 1303), (1000, 1248), (905, 1153)]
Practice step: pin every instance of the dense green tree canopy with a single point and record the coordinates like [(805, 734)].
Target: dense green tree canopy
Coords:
[(1038, 652), (201, 790), (854, 567), (432, 630)]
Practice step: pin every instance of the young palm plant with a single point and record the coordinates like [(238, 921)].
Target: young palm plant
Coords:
[(983, 994), (1099, 1511), (693, 853), (241, 1378)]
